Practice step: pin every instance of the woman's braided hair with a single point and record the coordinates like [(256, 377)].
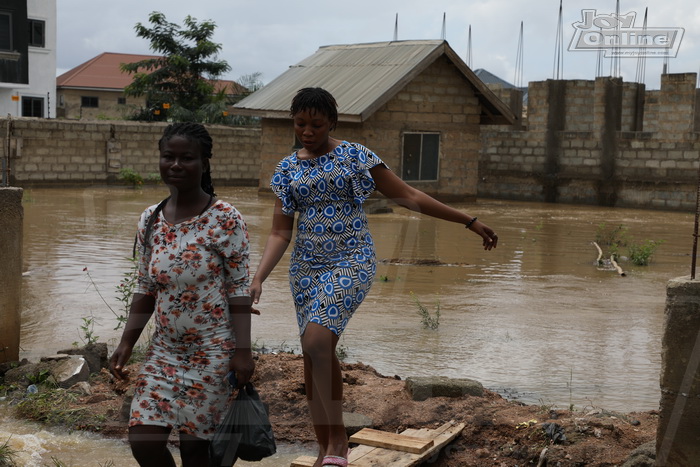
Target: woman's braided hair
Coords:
[(194, 132), (317, 99)]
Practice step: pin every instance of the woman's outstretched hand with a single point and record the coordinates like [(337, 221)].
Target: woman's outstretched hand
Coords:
[(485, 232)]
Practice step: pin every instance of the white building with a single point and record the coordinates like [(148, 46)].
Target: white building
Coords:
[(28, 58)]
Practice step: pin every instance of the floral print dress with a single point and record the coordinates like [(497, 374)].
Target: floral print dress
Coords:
[(192, 269), (333, 261)]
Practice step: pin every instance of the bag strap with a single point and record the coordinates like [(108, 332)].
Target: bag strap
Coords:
[(149, 226)]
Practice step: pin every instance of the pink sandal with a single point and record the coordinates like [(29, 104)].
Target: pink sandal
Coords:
[(335, 460)]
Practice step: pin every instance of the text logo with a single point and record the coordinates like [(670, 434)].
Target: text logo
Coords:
[(618, 36)]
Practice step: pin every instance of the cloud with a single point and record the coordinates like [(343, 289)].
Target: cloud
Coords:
[(269, 36)]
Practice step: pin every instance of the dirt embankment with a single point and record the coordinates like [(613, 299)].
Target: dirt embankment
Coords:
[(498, 432)]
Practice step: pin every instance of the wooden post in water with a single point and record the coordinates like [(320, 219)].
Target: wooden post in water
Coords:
[(11, 217)]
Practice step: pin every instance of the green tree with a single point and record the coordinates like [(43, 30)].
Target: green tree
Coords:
[(178, 84)]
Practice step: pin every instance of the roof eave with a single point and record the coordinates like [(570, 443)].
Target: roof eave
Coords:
[(494, 110), (284, 115)]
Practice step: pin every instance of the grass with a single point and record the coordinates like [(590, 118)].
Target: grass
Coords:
[(55, 462), (55, 406), (7, 454)]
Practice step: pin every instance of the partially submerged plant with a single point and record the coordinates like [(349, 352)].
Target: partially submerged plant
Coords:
[(641, 253), (428, 320)]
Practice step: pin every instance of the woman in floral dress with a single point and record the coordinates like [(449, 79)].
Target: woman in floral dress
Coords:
[(193, 274), (333, 262)]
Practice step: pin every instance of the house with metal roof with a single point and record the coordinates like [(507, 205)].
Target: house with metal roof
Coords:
[(415, 103)]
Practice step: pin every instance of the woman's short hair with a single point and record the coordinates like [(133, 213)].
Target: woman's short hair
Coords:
[(317, 99)]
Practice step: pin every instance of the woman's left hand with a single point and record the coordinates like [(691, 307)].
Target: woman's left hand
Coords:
[(243, 365), (485, 232)]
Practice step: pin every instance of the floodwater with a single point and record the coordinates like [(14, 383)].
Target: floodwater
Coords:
[(534, 319)]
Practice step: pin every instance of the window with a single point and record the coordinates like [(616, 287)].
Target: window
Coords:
[(420, 156), (32, 106), (121, 100), (36, 33), (5, 31), (89, 101)]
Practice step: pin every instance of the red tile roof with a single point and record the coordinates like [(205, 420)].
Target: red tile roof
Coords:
[(104, 72), (101, 72)]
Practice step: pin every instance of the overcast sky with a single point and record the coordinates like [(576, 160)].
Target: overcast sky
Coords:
[(268, 36)]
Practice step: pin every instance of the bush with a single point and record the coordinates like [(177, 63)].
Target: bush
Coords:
[(640, 253), (131, 177), (612, 237)]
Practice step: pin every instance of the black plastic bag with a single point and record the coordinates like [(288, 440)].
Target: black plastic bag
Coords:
[(244, 433)]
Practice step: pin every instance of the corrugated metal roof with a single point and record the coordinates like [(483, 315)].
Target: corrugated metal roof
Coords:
[(361, 77)]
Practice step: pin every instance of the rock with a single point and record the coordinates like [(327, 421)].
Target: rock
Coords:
[(27, 374), (55, 358), (125, 411), (94, 354), (7, 366), (643, 456), (82, 387), (70, 371), (422, 388), (354, 422)]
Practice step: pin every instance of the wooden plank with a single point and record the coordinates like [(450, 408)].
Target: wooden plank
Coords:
[(303, 461), (369, 456), (394, 441)]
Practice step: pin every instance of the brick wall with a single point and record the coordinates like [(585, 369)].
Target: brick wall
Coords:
[(599, 156), (50, 152), (586, 153), (70, 104)]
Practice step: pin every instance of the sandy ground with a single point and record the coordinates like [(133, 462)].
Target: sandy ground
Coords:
[(498, 432)]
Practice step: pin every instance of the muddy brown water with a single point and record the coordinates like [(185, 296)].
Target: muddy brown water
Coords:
[(535, 319)]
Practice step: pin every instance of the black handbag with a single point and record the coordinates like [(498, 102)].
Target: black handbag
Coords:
[(244, 433)]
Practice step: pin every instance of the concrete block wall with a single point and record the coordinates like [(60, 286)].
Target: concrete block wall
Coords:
[(610, 163), (678, 433), (671, 111), (632, 113), (55, 152), (579, 114)]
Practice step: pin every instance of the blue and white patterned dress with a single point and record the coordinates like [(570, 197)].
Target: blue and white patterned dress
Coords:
[(333, 261)]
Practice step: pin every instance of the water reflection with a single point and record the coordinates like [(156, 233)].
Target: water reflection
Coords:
[(534, 318)]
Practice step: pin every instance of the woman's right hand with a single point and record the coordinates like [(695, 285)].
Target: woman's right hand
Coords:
[(118, 361), (255, 292)]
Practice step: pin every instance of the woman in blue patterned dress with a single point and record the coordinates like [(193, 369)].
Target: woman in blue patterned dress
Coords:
[(333, 262), (193, 275)]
